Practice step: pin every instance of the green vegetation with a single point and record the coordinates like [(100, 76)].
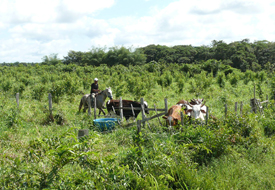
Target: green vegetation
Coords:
[(40, 152)]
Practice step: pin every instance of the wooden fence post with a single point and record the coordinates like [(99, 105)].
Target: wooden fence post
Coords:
[(142, 110), (120, 108), (116, 115), (89, 105), (95, 108), (133, 111), (166, 105), (17, 99), (138, 126), (266, 101), (236, 107), (82, 133), (50, 106), (138, 134), (254, 100), (225, 110), (254, 91), (241, 109), (253, 105), (207, 115), (182, 118)]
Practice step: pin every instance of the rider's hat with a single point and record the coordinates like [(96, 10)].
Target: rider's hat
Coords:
[(95, 79)]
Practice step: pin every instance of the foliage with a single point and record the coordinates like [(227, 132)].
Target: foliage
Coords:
[(200, 83), (269, 127), (38, 92), (99, 56), (6, 85), (51, 60), (221, 80), (39, 151)]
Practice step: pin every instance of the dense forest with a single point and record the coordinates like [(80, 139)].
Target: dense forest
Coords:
[(242, 55)]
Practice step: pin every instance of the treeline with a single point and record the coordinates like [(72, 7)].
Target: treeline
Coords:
[(242, 55)]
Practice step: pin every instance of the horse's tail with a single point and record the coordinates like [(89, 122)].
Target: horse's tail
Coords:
[(80, 105)]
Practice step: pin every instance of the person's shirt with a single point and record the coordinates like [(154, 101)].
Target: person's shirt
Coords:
[(94, 86)]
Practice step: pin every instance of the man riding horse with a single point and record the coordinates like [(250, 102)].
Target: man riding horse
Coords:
[(94, 91)]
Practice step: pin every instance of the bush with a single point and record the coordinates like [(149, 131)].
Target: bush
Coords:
[(18, 88), (13, 118), (234, 79), (239, 125), (221, 80), (6, 85), (249, 76), (38, 92), (57, 91), (269, 127)]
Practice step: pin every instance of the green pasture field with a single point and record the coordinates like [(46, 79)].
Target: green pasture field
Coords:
[(236, 152)]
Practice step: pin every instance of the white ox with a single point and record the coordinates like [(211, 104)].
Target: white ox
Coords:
[(196, 109)]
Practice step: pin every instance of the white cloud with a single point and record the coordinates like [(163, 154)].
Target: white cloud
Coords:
[(31, 29), (48, 11), (199, 22)]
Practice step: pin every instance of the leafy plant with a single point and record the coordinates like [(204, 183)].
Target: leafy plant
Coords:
[(38, 92), (6, 85), (221, 80), (13, 118)]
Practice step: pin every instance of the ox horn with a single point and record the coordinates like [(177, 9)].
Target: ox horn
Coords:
[(196, 101), (200, 100), (189, 104), (203, 104)]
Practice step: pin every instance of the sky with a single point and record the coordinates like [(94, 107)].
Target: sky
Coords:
[(32, 29)]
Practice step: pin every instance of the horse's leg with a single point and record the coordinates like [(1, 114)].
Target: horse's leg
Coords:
[(99, 112), (85, 107), (80, 105), (103, 112)]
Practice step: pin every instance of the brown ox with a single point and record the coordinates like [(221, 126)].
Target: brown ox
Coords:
[(194, 109), (126, 103), (173, 115)]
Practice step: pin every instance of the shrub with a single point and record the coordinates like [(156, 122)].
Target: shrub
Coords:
[(57, 91), (6, 85), (26, 80), (204, 143), (261, 76), (234, 79), (70, 85), (180, 85), (18, 88), (86, 83), (200, 83), (249, 76), (221, 80), (60, 118), (272, 86), (239, 125), (38, 92), (13, 118), (269, 127)]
